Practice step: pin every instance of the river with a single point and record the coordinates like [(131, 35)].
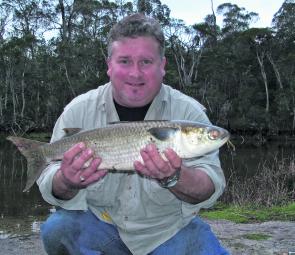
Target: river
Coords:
[(22, 212)]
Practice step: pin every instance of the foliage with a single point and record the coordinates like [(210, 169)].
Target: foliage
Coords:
[(272, 185), (51, 51), (257, 236)]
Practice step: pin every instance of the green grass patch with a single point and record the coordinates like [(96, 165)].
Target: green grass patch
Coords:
[(248, 214), (257, 236)]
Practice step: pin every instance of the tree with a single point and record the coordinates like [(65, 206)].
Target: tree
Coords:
[(283, 25), (185, 45), (235, 18), (155, 9)]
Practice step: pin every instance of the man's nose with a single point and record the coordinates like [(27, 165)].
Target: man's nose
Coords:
[(135, 70)]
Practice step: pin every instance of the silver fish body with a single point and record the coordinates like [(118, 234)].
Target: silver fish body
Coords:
[(119, 144)]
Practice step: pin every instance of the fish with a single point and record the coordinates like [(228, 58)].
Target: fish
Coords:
[(119, 144)]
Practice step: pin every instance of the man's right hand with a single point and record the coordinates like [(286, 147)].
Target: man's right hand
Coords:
[(73, 175)]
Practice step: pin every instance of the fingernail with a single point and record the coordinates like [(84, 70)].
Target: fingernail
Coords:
[(149, 147), (81, 145), (168, 150)]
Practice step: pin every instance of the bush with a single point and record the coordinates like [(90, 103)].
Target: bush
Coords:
[(272, 185)]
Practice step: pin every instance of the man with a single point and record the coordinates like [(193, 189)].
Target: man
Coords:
[(152, 211)]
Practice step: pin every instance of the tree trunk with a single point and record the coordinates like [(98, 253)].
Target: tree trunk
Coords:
[(263, 74), (23, 84), (276, 70)]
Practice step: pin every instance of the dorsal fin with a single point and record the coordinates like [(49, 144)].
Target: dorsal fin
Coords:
[(72, 131), (163, 133), (117, 122), (137, 121)]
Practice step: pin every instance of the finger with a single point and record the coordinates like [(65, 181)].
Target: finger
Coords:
[(147, 161), (86, 172), (91, 174), (174, 160), (157, 160), (96, 176), (151, 166), (80, 161), (73, 152), (141, 168)]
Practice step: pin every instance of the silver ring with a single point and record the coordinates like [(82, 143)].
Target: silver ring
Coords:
[(82, 179)]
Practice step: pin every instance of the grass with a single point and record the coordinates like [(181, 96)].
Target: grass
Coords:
[(257, 236), (247, 214)]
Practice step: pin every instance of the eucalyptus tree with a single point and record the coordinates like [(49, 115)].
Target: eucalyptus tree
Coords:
[(27, 20), (225, 67), (5, 16), (283, 24), (235, 18), (155, 9), (182, 42), (82, 39)]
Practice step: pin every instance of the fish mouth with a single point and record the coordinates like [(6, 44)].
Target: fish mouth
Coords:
[(218, 134), (224, 134)]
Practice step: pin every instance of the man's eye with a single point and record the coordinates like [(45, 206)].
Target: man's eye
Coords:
[(124, 61), (146, 62)]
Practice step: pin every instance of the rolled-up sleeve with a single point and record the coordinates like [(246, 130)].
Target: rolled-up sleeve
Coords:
[(210, 164), (44, 182)]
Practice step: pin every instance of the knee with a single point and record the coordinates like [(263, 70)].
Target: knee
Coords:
[(56, 226)]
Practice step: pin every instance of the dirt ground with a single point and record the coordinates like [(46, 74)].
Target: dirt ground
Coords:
[(278, 239)]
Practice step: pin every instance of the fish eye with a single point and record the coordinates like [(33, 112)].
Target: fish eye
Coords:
[(213, 134)]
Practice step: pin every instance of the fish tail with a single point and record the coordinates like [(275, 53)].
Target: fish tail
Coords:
[(36, 161)]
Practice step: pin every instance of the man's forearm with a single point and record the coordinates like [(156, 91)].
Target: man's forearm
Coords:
[(194, 186)]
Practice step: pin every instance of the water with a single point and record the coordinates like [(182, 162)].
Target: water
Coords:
[(247, 158), (20, 212), (23, 212)]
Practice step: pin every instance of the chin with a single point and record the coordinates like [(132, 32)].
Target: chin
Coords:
[(134, 103)]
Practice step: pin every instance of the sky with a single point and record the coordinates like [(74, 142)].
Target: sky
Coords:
[(194, 11)]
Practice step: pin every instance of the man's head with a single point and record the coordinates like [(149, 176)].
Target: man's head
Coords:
[(134, 26), (136, 65)]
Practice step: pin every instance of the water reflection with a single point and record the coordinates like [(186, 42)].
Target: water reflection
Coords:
[(246, 159), (19, 212)]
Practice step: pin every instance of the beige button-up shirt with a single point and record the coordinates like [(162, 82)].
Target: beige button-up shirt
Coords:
[(145, 214)]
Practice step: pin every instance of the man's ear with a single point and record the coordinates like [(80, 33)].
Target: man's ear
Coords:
[(109, 64)]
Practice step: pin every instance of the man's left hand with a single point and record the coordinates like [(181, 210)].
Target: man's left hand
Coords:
[(155, 166)]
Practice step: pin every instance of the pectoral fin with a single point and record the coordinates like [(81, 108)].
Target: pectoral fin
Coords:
[(72, 131), (163, 133)]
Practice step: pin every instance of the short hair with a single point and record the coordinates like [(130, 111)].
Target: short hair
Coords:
[(134, 26)]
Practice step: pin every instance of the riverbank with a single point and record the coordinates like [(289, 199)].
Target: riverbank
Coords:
[(267, 238)]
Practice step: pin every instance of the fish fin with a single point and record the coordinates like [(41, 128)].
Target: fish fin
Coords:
[(72, 131), (117, 122), (36, 162), (137, 121), (163, 133)]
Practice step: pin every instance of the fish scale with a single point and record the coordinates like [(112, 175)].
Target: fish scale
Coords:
[(126, 149), (119, 144)]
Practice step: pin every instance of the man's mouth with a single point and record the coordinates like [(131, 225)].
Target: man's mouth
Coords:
[(137, 84)]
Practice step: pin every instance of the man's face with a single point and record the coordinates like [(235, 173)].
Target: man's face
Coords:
[(136, 70)]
